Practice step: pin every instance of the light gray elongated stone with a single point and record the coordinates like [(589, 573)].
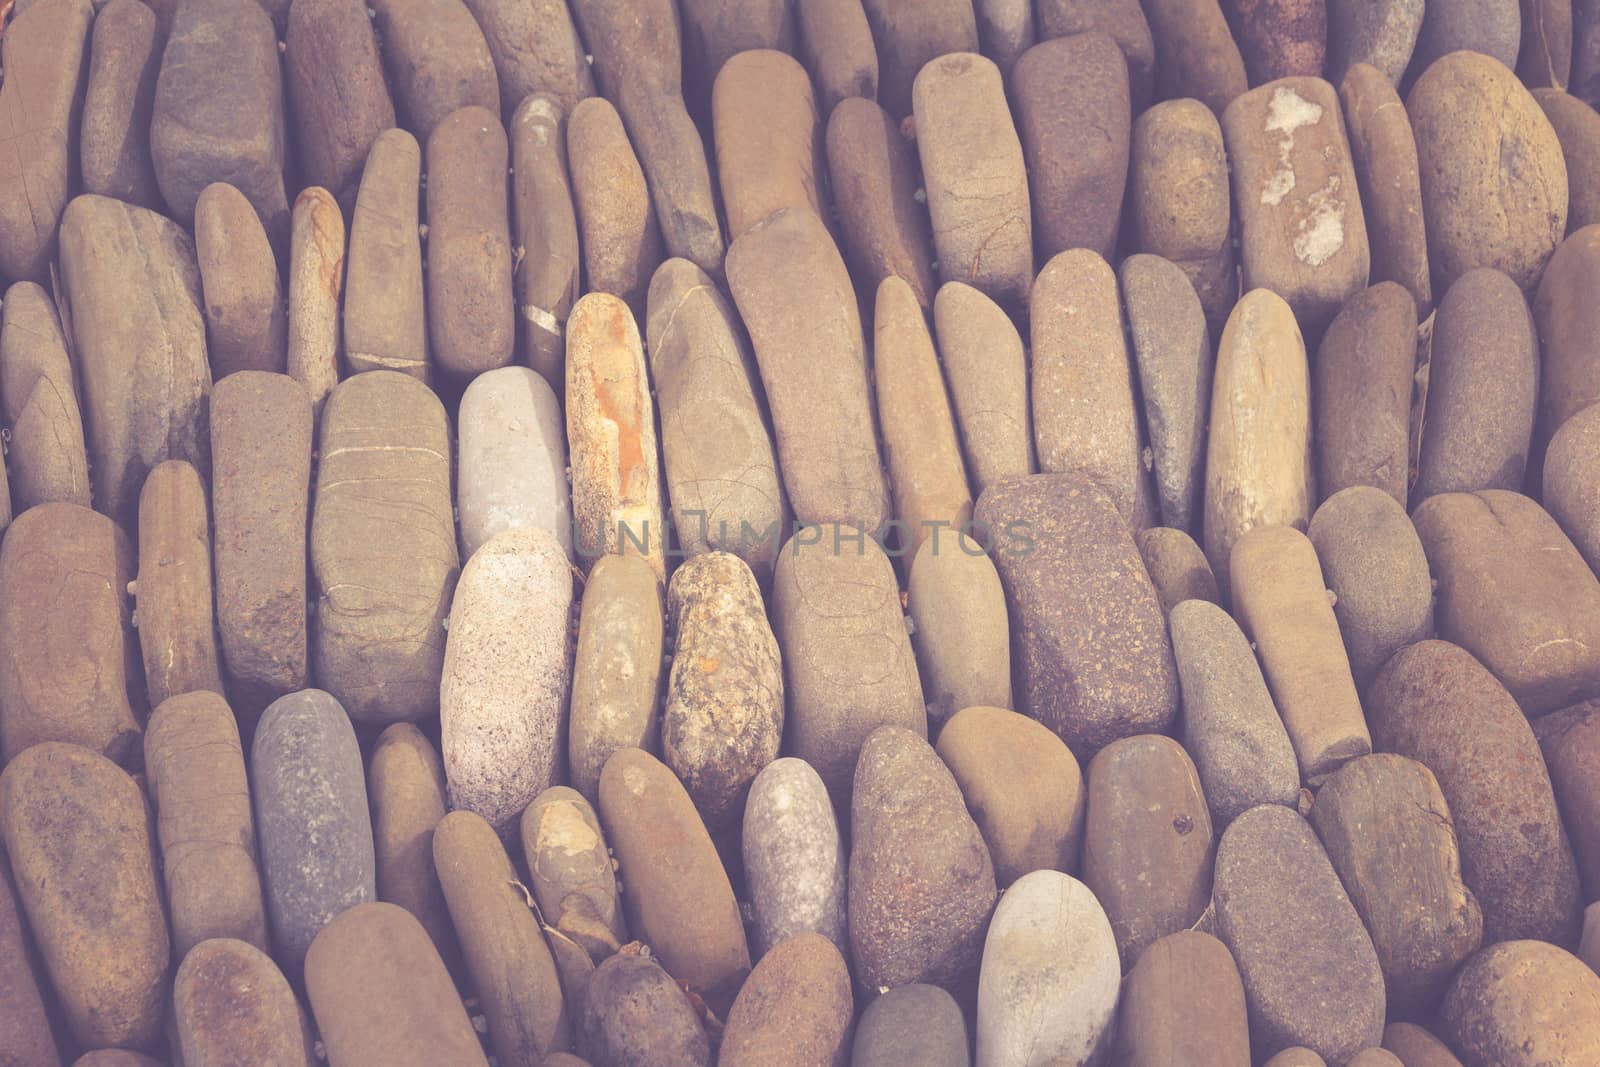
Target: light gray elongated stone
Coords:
[(385, 316), (794, 862), (316, 283), (986, 369), (48, 459), (507, 666), (513, 458)]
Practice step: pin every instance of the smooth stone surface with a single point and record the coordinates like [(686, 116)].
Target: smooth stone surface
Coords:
[(316, 282), (975, 175), (1310, 973), (406, 787), (1048, 988), (919, 1023), (768, 138), (233, 1005), (507, 667), (70, 672), (437, 60), (1124, 20), (383, 497), (848, 663), (958, 626), (794, 862), (512, 459), (336, 93), (1577, 127), (24, 1021), (1514, 592), (49, 461), (544, 225), (1361, 394), (616, 219), (1183, 1006), (246, 311), (1258, 451), (1467, 112), (795, 296), (1281, 38), (921, 884), (986, 370), (1417, 1047), (1566, 315), (312, 822), (535, 49), (1523, 1003), (1177, 567), (77, 832), (1385, 156), (574, 879), (636, 1014), (911, 34), (1147, 841), (177, 631), (1570, 742), (1489, 27), (616, 671), (836, 44), (194, 766), (796, 1005), (1387, 831), (124, 60), (1589, 948), (1381, 33), (385, 319), (1006, 29), (1091, 654), (1195, 52), (1436, 704)]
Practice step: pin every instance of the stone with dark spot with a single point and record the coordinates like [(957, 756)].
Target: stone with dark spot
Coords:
[(545, 228), (233, 1005), (1280, 38), (836, 43), (1361, 394)]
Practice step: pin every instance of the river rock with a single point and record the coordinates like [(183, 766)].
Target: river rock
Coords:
[(921, 885), (915, 1023), (975, 175), (616, 219), (768, 138), (1566, 316), (1048, 988), (406, 785), (1195, 52), (1258, 450), (637, 1015), (385, 321), (139, 342), (875, 178), (245, 307), (959, 630), (1514, 592), (1417, 1047), (1147, 841), (194, 766), (1385, 156), (848, 663), (1570, 741), (547, 276), (796, 1005), (794, 864), (1577, 127), (1433, 702), (1487, 27), (909, 36), (1124, 20), (986, 369), (177, 632), (23, 1017), (337, 96), (383, 546), (70, 672), (1589, 948), (1177, 567), (124, 60), (1468, 112), (233, 1005), (1302, 231), (77, 832), (675, 890), (48, 459), (1381, 33), (1068, 556), (316, 282), (381, 995), (1281, 38), (1361, 393), (574, 880), (1545, 54), (836, 44), (535, 49), (1523, 1003), (513, 459), (437, 61), (311, 817), (1183, 1006)]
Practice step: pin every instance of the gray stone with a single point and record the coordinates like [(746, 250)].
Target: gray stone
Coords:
[(794, 862), (337, 96), (385, 317), (545, 228), (1361, 393), (513, 459), (49, 461), (1178, 568), (1378, 32), (986, 369), (959, 628), (637, 1016), (1490, 27), (124, 60), (1571, 479), (437, 61), (915, 1023)]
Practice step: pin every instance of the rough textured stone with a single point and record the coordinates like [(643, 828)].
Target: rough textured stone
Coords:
[(793, 292), (987, 372), (177, 631), (385, 319), (245, 308), (1436, 704), (312, 822), (316, 282), (959, 629), (722, 720), (218, 111), (675, 891), (616, 673), (1468, 112), (383, 546), (1092, 657), (1361, 394), (915, 1023), (1124, 20), (513, 459), (1195, 52), (381, 995), (921, 884), (78, 836), (1416, 1047), (24, 1021), (848, 664), (1521, 1004), (1381, 33), (437, 60), (1515, 593), (836, 43), (1177, 567), (1258, 450), (124, 60), (336, 92), (1570, 741), (261, 433), (721, 469), (1310, 973), (48, 459), (636, 1015), (1178, 195), (616, 220), (535, 49), (545, 221), (1147, 841), (133, 293), (1280, 38), (1490, 28), (233, 1005), (796, 1006), (874, 174), (406, 786), (912, 33), (1048, 988), (768, 138), (1385, 156), (1183, 1006), (70, 672), (194, 765), (794, 863), (1577, 127), (1567, 316), (1387, 831), (507, 665), (574, 879), (1302, 230)]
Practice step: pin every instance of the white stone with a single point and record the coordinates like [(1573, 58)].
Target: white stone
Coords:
[(513, 459), (793, 859)]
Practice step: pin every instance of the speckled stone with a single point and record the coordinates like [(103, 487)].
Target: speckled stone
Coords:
[(1577, 127), (797, 1005), (1280, 38), (1183, 1006), (1387, 174), (915, 1023), (536, 49), (986, 369), (574, 879), (312, 822), (507, 667), (1382, 33), (636, 1015), (512, 467), (794, 863), (959, 629), (233, 1005), (1177, 567), (1523, 1004), (385, 312)]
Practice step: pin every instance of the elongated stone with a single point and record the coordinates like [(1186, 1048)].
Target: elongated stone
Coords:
[(535, 49), (545, 228), (1381, 33), (1565, 316), (959, 628), (1569, 481), (231, 1003), (574, 879), (48, 459), (1183, 1006), (1576, 126), (501, 701), (1177, 566), (385, 320), (792, 290), (794, 863), (836, 43), (1417, 1047), (1491, 28), (23, 1018), (1524, 1003), (406, 787), (437, 61), (1361, 393), (513, 459), (124, 60), (316, 282), (768, 138), (247, 323), (337, 96), (721, 469), (796, 1002), (1195, 52), (919, 1022), (1385, 156), (617, 221), (987, 372), (1544, 57), (910, 35), (71, 673)]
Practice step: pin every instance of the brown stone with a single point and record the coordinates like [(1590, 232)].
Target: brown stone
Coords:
[(231, 1004), (1491, 28), (912, 33), (177, 631), (1362, 393), (1183, 1006), (536, 49), (1577, 127), (25, 1036), (768, 138), (124, 59), (247, 323), (1177, 567), (1545, 55), (958, 626), (796, 1006), (406, 787), (1567, 316), (616, 220), (1124, 20), (1523, 1004), (836, 42), (1572, 483), (385, 314), (1416, 1047), (1385, 156), (1570, 740), (336, 92), (437, 61), (637, 1014), (986, 369), (1280, 38), (1195, 52), (48, 459)]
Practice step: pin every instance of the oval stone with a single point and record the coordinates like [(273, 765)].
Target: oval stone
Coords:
[(437, 61), (177, 631), (1183, 1006), (124, 61), (406, 786), (1361, 393), (836, 43), (914, 1023), (959, 629), (796, 1005), (233, 1005), (48, 459), (794, 864), (513, 458), (1178, 568), (616, 221), (1570, 741), (1385, 155), (1195, 52), (987, 372), (1577, 127), (246, 311), (1523, 1003), (574, 879), (1492, 28), (768, 138), (385, 313), (1416, 1047), (535, 50), (337, 97)]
